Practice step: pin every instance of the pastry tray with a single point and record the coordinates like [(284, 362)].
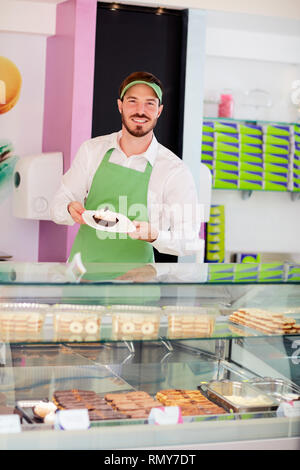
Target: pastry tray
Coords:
[(218, 391)]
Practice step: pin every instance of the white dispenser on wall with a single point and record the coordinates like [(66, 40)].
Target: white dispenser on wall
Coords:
[(36, 179)]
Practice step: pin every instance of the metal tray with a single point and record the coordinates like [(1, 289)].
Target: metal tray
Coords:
[(280, 389), (218, 391)]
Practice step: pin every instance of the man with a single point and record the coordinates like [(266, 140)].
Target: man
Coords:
[(131, 173)]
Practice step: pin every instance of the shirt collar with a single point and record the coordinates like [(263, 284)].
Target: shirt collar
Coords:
[(150, 153)]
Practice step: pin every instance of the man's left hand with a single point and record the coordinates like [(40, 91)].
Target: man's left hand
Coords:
[(144, 231)]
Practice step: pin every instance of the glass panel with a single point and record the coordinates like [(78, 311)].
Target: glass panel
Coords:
[(160, 273), (34, 373)]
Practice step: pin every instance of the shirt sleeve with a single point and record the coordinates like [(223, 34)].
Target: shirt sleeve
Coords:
[(74, 187), (180, 216)]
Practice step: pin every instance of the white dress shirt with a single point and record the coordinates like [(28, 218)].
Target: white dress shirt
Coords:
[(172, 196)]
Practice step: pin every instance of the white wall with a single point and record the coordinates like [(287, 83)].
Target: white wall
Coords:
[(242, 75), (268, 221), (23, 125), (28, 16)]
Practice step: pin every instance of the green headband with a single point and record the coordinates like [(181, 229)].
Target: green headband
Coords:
[(154, 87)]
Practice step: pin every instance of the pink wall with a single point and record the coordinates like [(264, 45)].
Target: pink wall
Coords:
[(68, 103)]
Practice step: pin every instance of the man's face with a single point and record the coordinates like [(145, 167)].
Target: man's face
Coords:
[(140, 110)]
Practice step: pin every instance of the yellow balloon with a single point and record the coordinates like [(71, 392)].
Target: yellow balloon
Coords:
[(10, 84)]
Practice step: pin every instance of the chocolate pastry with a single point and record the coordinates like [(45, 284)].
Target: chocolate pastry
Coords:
[(97, 406), (97, 415), (105, 223), (136, 405), (108, 221)]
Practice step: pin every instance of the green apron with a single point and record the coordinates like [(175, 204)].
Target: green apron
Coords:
[(111, 185)]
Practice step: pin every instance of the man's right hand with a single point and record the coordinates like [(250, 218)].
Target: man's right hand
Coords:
[(75, 210)]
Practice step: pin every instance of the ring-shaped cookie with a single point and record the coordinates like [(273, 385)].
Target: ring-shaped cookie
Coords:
[(128, 327), (76, 327), (147, 328), (91, 327)]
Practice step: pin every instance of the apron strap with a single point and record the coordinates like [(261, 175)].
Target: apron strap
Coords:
[(107, 156)]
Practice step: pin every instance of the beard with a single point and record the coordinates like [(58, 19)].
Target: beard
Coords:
[(137, 130)]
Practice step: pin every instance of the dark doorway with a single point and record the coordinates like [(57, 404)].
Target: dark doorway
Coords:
[(131, 38)]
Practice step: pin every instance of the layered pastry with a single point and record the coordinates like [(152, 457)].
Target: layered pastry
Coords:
[(132, 404), (191, 402), (134, 322), (98, 408), (265, 321), (190, 326), (190, 321), (22, 322), (135, 326), (105, 218), (77, 322)]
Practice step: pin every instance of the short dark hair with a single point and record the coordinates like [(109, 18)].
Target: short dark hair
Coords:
[(145, 76)]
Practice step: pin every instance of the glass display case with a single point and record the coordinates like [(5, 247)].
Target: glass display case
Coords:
[(220, 341)]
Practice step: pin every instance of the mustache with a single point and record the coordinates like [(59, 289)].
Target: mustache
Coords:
[(139, 116)]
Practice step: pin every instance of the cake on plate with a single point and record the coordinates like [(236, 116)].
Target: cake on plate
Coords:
[(105, 217)]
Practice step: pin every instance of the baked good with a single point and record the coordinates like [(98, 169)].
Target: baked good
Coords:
[(132, 404), (105, 217), (42, 409), (96, 405), (50, 418), (190, 321), (77, 323), (191, 402), (265, 321), (190, 326), (135, 322), (22, 321)]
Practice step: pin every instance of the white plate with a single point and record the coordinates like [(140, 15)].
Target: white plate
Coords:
[(123, 226)]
